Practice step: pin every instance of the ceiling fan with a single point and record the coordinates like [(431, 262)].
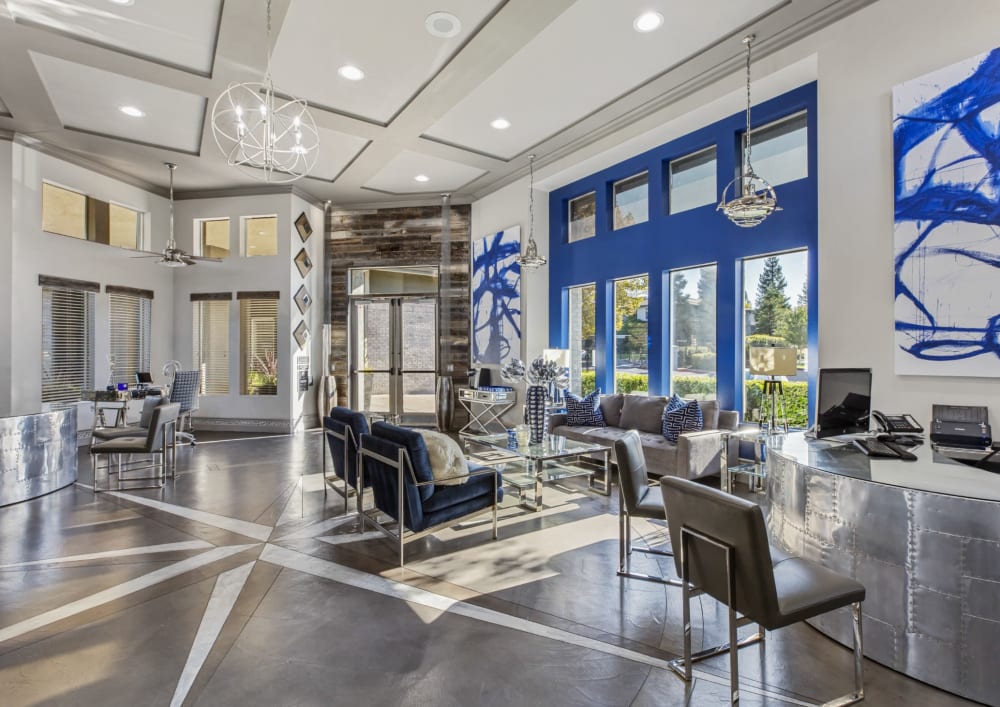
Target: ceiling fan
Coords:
[(172, 256)]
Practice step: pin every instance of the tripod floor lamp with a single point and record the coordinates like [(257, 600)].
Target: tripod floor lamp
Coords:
[(774, 361)]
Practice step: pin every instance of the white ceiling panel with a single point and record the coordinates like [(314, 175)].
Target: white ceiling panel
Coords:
[(336, 151), (589, 56), (179, 33), (398, 175), (88, 99), (385, 38)]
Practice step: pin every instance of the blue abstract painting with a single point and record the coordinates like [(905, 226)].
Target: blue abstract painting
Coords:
[(946, 149), (496, 297)]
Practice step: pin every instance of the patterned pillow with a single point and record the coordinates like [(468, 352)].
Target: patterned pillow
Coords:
[(584, 412), (684, 419), (675, 402)]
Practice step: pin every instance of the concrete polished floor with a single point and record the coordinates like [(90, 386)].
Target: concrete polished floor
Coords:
[(241, 584)]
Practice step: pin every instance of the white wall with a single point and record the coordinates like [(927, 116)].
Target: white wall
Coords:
[(304, 404), (856, 62), (234, 274), (6, 284), (860, 60), (35, 252)]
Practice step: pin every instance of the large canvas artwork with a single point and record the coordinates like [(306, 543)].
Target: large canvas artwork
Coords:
[(946, 143), (496, 297)]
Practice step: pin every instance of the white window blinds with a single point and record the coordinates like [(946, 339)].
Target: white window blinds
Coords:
[(258, 346), (211, 345), (129, 323), (67, 345)]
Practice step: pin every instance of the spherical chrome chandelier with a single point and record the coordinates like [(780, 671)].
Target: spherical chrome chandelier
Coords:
[(753, 198), (268, 136)]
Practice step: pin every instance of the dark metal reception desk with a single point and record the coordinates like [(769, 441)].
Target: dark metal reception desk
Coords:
[(924, 539), (38, 454)]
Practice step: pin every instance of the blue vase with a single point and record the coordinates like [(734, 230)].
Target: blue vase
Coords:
[(535, 412)]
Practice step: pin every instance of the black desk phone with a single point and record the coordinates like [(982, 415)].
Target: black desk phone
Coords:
[(897, 424)]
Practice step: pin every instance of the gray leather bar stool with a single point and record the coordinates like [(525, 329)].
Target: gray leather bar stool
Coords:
[(637, 499), (722, 550), (158, 440)]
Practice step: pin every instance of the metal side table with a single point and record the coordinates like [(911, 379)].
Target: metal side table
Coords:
[(755, 470), (485, 408)]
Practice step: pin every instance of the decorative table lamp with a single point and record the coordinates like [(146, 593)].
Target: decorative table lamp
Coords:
[(774, 361)]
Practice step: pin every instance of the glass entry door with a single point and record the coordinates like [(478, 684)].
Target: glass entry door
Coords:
[(394, 347)]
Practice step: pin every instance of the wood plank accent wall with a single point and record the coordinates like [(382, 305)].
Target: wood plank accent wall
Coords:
[(399, 237)]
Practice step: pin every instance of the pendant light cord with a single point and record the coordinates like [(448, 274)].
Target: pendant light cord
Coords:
[(531, 198), (749, 170), (171, 167)]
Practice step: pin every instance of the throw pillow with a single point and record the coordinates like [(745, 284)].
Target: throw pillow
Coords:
[(584, 412), (447, 459), (611, 409), (643, 413), (674, 403), (684, 419)]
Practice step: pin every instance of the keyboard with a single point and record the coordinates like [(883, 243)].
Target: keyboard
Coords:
[(883, 449)]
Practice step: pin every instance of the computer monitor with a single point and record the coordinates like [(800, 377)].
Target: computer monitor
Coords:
[(844, 401), (143, 377)]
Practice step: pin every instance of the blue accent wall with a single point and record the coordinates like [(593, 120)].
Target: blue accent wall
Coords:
[(690, 238)]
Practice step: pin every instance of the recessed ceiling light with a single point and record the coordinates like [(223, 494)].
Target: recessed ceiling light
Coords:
[(648, 21), (351, 72), (422, 178), (443, 24), (123, 2), (132, 111), (500, 124)]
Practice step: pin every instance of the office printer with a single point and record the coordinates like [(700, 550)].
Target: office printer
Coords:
[(965, 426)]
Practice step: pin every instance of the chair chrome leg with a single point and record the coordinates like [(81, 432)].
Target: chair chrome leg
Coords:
[(625, 550), (859, 665), (734, 656), (686, 594)]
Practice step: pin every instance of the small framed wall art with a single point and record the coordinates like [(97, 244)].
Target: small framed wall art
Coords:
[(303, 226), (301, 334), (303, 300), (303, 262)]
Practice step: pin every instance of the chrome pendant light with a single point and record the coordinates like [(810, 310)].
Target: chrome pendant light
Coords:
[(271, 138), (529, 257), (753, 197)]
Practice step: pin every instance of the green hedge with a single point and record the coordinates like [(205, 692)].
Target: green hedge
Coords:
[(625, 382)]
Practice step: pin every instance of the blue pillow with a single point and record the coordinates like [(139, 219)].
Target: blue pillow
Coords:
[(584, 412), (674, 403), (684, 419)]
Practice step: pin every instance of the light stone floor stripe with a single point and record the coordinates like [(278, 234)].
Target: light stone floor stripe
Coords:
[(323, 526), (243, 527), (228, 586), (145, 550), (345, 575), (351, 537), (120, 590)]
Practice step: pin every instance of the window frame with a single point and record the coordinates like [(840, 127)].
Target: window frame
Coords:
[(87, 347), (199, 236), (247, 302), (757, 130), (691, 157), (671, 307), (90, 235), (208, 362), (569, 217), (244, 243), (139, 332), (614, 200)]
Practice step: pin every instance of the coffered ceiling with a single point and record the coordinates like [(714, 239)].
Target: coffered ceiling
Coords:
[(560, 72)]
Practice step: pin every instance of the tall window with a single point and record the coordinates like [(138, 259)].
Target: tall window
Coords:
[(259, 346), (632, 335), (210, 337), (692, 332), (214, 237), (631, 197), (582, 376), (775, 313), (582, 217), (129, 327), (692, 181), (67, 345), (780, 151), (260, 236)]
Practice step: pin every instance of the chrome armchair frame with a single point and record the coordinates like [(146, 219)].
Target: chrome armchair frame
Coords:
[(626, 548), (331, 482), (682, 666), (167, 464), (403, 465)]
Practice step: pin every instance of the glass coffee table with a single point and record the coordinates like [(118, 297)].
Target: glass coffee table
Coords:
[(529, 468)]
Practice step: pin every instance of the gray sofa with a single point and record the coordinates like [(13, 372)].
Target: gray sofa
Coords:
[(696, 454)]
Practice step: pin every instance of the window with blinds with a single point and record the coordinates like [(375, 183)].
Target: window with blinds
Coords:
[(129, 325), (211, 345), (67, 346), (259, 346)]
